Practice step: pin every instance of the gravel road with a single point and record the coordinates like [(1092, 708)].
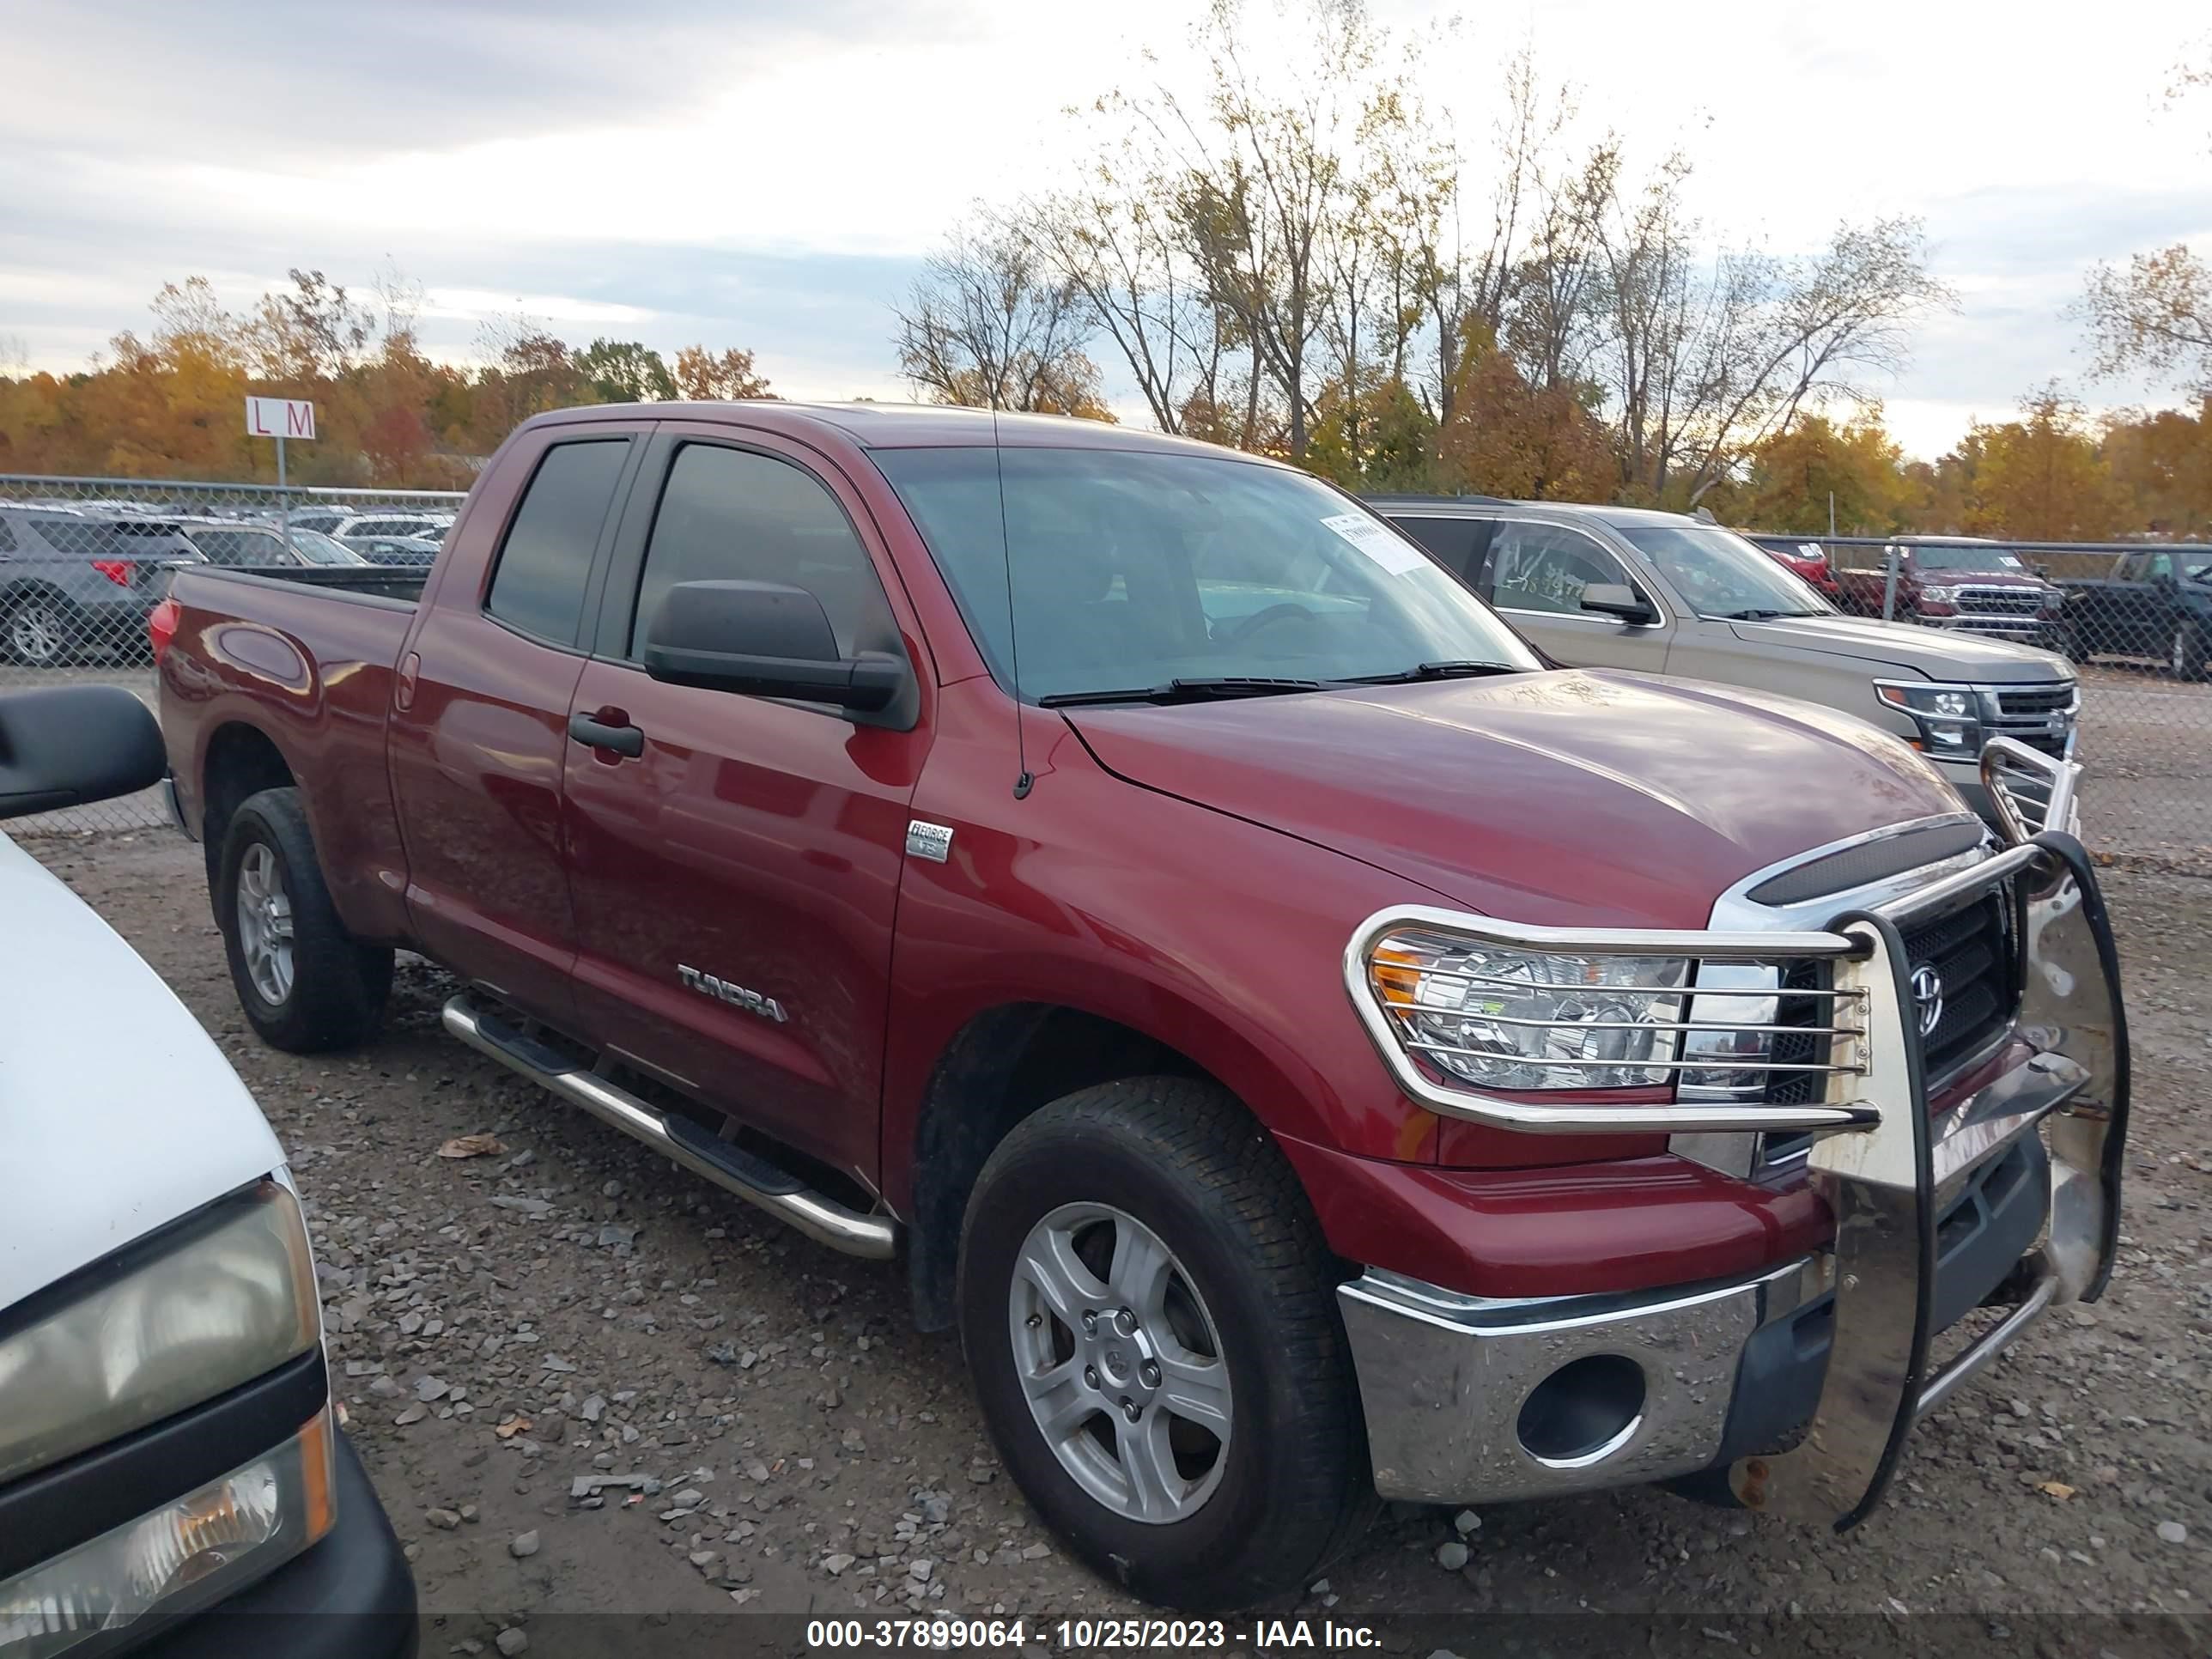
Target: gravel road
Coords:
[(586, 1383)]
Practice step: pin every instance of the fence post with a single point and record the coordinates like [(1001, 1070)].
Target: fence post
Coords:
[(1889, 585)]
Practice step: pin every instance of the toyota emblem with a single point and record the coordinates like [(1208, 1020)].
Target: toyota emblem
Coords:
[(1928, 996)]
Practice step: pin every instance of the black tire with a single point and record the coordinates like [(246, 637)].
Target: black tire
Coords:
[(2186, 653), (1183, 1158), (58, 624), (338, 985)]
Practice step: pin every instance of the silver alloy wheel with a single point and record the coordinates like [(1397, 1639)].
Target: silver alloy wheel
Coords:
[(34, 632), (264, 923), (1120, 1363)]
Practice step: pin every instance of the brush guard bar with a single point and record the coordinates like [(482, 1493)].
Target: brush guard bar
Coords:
[(1882, 1165)]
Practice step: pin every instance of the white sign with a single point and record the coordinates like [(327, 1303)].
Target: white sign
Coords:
[(1375, 539), (280, 417)]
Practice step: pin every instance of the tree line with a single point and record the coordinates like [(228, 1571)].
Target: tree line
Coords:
[(1290, 257), (168, 402)]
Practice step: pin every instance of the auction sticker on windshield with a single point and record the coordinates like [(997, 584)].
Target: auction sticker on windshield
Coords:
[(1392, 552)]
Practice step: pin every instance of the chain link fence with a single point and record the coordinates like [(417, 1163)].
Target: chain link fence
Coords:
[(2135, 617), (83, 561)]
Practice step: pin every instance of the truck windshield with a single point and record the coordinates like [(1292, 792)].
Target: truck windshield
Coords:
[(1136, 569), (1931, 556), (1721, 574)]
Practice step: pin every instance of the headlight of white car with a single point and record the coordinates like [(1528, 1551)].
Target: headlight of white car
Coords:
[(1506, 1018), (158, 1328)]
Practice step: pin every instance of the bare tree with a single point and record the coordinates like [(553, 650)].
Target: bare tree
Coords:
[(2153, 316), (991, 323)]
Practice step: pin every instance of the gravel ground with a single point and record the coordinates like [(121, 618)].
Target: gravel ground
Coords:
[(756, 1424)]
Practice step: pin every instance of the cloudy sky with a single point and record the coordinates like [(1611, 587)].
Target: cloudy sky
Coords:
[(767, 172)]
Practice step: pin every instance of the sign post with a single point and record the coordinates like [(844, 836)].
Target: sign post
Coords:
[(281, 418)]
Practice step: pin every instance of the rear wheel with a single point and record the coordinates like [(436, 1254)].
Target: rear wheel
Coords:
[(40, 630), (1149, 1311), (306, 983)]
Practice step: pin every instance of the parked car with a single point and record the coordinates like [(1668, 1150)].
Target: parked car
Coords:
[(173, 1474), (401, 552), (322, 519), (1625, 587), (1807, 561), (2157, 603), (390, 526), (222, 542), (75, 586), (1958, 582), (1311, 1049)]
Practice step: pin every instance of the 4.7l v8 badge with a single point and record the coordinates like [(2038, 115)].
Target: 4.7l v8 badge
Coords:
[(736, 995)]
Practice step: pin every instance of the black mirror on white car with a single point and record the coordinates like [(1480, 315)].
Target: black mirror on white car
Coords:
[(67, 745), (765, 640), (1618, 599)]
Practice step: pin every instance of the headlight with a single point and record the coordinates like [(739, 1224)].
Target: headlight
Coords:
[(1526, 1019), (1939, 595), (179, 1558), (1948, 716), (160, 1327)]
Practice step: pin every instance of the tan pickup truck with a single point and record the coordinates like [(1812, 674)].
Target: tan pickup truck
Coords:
[(1625, 587)]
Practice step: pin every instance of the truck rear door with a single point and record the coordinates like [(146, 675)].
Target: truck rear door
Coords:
[(735, 876), (480, 730)]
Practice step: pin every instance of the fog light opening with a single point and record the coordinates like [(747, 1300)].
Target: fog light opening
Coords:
[(1583, 1412)]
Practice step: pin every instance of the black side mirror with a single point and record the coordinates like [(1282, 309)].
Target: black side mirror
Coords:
[(766, 640), (1618, 599), (65, 745)]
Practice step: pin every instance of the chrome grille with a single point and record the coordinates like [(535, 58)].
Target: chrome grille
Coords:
[(2001, 601)]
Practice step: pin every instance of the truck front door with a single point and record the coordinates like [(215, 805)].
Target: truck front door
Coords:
[(735, 878)]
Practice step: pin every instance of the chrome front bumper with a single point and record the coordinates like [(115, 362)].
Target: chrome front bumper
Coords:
[(1462, 1396)]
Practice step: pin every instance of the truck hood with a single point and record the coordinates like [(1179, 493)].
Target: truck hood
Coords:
[(1568, 798), (117, 1115), (1906, 649)]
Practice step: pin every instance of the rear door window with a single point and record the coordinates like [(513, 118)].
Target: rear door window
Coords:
[(538, 586), (1456, 544)]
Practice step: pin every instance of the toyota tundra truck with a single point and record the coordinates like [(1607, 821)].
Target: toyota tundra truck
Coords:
[(1311, 1049)]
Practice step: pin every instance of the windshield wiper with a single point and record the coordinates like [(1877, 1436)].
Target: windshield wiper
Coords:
[(1436, 671), (1187, 690), (1756, 615)]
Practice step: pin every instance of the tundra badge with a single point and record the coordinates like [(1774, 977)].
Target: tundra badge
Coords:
[(736, 995)]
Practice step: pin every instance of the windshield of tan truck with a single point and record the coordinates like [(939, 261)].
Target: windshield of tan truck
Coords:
[(1721, 574), (1140, 571)]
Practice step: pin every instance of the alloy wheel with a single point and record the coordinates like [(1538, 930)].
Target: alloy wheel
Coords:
[(265, 924), (1120, 1363)]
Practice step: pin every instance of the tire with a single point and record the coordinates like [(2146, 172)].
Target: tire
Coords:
[(40, 630), (2185, 653), (330, 989), (1248, 1299)]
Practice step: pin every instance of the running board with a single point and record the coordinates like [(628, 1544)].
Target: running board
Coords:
[(751, 1176)]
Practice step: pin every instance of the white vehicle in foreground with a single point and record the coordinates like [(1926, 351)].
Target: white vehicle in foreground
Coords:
[(172, 1480)]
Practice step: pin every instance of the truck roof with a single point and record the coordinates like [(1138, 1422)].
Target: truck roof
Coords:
[(908, 426)]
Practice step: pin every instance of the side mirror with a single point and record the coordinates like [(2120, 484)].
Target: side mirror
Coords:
[(66, 745), (1618, 599), (766, 640)]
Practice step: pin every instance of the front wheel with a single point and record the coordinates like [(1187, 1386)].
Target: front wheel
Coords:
[(305, 983), (41, 630), (1150, 1315)]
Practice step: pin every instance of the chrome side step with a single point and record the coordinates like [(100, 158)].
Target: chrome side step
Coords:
[(732, 1169)]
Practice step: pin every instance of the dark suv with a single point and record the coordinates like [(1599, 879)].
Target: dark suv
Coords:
[(74, 586)]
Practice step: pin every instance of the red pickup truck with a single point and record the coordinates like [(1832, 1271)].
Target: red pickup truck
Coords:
[(1954, 581), (1309, 1048)]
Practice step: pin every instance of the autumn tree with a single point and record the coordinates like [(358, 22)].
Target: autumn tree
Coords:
[(725, 377), (1508, 436), (994, 324), (2040, 477), (625, 372), (1817, 473)]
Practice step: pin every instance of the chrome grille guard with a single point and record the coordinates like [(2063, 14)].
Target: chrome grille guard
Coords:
[(1879, 1161)]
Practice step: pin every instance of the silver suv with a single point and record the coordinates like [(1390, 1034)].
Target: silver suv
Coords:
[(1625, 587), (75, 586)]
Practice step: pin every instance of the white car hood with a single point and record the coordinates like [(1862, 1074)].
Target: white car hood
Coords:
[(118, 1114)]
